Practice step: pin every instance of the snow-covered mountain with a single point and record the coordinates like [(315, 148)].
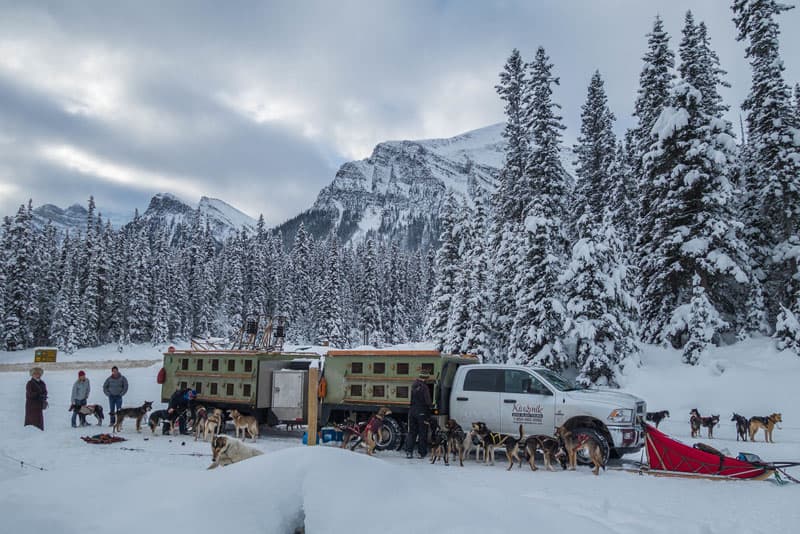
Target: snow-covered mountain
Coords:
[(398, 191), (165, 211), (72, 218)]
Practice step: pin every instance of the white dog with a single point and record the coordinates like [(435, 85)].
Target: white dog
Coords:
[(226, 451)]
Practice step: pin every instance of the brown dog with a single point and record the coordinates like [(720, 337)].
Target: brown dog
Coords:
[(374, 425), (767, 423), (247, 423), (575, 442), (550, 448)]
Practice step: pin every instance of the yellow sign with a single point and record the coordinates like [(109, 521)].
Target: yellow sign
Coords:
[(45, 355)]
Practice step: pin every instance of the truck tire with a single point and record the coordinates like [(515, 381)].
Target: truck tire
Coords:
[(582, 457), (391, 435)]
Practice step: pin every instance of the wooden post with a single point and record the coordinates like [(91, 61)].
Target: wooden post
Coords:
[(313, 384)]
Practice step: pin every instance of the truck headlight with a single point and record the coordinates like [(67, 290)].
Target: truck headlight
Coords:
[(621, 415)]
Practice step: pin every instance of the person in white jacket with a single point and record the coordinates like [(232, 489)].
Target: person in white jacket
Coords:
[(80, 396)]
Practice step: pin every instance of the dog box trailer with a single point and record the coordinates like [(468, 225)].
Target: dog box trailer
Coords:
[(358, 382), (230, 379)]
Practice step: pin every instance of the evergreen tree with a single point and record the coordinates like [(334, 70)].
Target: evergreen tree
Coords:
[(396, 317), (772, 156), (704, 323), (330, 316), (596, 153), (695, 229), (653, 92), (447, 269), (371, 320), (620, 197), (510, 198), (599, 304), (541, 241), (18, 283), (458, 318), (479, 281)]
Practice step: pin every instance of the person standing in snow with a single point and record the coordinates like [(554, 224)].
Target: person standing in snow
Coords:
[(35, 399), (115, 387), (418, 415), (80, 396)]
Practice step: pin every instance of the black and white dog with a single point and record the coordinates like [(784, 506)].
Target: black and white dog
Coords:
[(657, 417)]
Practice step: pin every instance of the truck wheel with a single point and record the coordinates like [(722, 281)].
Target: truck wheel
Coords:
[(582, 457), (390, 435)]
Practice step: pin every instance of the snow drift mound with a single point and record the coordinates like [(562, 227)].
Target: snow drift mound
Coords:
[(328, 490)]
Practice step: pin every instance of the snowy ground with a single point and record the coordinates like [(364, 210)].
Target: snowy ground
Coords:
[(162, 485)]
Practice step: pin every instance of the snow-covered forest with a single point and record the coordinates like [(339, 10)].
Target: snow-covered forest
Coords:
[(683, 232)]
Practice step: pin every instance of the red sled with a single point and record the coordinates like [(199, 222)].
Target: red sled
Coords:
[(669, 457)]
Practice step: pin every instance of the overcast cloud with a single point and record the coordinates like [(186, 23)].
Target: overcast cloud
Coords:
[(258, 103)]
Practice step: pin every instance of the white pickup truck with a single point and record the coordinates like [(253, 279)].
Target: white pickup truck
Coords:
[(505, 396)]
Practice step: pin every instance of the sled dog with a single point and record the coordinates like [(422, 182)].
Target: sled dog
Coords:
[(438, 442), (742, 425), (133, 413), (657, 417), (491, 440), (226, 450), (767, 423), (169, 420), (246, 423), (550, 448), (457, 440), (575, 442), (89, 409)]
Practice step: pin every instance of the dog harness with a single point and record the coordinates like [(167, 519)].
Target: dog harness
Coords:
[(374, 425)]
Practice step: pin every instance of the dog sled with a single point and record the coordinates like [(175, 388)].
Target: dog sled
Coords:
[(668, 457)]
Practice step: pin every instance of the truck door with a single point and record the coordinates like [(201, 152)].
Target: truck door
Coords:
[(479, 399), (526, 400)]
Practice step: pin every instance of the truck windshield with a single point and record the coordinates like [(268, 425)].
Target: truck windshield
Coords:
[(559, 381)]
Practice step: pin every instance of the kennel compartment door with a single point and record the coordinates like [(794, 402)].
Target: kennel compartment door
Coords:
[(289, 394)]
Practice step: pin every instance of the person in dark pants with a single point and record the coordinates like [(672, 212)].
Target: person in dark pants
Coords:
[(115, 387), (181, 400), (418, 415)]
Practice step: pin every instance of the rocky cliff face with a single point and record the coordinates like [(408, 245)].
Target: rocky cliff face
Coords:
[(398, 191)]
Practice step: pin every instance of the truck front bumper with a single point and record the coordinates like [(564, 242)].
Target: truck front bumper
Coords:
[(626, 439)]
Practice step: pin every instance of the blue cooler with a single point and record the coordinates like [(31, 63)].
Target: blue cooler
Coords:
[(328, 434)]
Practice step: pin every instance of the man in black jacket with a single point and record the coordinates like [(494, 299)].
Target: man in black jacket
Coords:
[(418, 415), (181, 400)]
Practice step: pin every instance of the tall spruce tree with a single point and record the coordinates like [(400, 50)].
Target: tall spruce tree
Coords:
[(510, 199), (541, 241), (447, 270), (771, 157), (371, 319), (595, 152)]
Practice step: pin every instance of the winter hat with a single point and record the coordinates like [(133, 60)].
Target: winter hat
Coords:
[(81, 373), (35, 370)]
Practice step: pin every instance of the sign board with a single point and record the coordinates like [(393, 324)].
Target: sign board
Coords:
[(45, 355)]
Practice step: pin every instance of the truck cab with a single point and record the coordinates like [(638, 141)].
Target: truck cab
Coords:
[(507, 396)]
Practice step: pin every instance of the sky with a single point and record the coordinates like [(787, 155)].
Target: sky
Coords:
[(259, 103)]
